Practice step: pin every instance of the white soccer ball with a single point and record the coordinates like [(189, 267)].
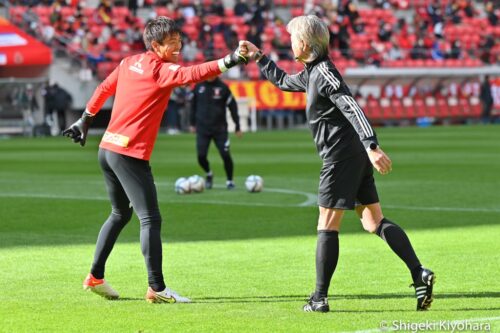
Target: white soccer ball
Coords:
[(254, 183), (197, 183), (182, 186)]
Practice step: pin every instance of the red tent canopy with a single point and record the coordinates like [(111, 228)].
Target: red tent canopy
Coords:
[(21, 55)]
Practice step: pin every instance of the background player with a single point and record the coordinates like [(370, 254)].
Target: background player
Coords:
[(208, 119)]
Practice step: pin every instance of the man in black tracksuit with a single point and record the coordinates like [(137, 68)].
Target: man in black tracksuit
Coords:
[(348, 146), (208, 119)]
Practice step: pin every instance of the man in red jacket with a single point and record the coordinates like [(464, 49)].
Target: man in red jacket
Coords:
[(142, 85)]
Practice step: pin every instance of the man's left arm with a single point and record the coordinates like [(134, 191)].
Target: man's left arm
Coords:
[(233, 109), (333, 86)]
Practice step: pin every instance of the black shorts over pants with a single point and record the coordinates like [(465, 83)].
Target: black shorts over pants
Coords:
[(347, 183)]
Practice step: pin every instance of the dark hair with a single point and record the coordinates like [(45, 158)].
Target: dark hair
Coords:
[(159, 29)]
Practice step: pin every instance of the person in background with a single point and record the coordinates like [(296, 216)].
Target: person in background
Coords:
[(210, 101)]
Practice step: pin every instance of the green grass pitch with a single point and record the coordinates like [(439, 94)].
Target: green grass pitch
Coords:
[(247, 260)]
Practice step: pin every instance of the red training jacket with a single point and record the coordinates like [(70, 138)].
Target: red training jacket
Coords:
[(142, 85)]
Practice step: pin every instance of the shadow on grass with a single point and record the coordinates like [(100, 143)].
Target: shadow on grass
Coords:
[(288, 298)]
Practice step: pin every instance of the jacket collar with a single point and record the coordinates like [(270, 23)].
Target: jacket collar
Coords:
[(316, 61)]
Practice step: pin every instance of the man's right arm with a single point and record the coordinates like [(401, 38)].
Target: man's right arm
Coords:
[(106, 89), (174, 75), (281, 79)]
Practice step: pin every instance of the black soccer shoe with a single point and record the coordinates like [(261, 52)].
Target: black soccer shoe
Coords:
[(209, 182), (230, 185), (316, 306), (423, 289)]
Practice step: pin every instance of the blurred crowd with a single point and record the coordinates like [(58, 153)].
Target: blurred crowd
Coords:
[(391, 33)]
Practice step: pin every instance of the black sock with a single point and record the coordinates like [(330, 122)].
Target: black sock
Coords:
[(228, 165), (327, 255), (399, 243)]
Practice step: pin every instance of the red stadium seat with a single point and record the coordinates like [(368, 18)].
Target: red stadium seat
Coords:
[(373, 110), (475, 107), (420, 108), (455, 109), (430, 103), (409, 107), (386, 108), (398, 108), (442, 107)]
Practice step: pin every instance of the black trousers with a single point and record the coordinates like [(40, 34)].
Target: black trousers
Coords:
[(130, 184), (221, 140)]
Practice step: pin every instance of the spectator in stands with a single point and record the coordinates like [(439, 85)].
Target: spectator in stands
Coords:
[(190, 51), (418, 51), (375, 54), (217, 8), (437, 51), (253, 35), (486, 100), (384, 4), (394, 52), (491, 13), (434, 12), (31, 21), (351, 11), (343, 39), (452, 12), (133, 6), (242, 9), (134, 37), (455, 51), (485, 45), (104, 11), (384, 31), (95, 53), (468, 8)]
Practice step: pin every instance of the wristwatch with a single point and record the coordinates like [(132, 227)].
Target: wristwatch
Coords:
[(373, 146)]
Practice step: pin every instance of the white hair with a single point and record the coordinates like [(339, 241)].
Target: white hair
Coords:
[(313, 32)]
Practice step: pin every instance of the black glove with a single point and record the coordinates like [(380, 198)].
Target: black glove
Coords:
[(78, 131), (234, 59)]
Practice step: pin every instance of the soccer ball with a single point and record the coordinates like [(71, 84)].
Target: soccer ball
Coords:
[(197, 183), (182, 186), (254, 183)]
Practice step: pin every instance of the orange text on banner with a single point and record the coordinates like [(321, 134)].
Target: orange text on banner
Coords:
[(267, 96)]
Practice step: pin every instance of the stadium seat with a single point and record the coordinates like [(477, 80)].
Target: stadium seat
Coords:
[(386, 108), (442, 107), (430, 103), (475, 107), (373, 110), (419, 107), (409, 107), (398, 108), (455, 110)]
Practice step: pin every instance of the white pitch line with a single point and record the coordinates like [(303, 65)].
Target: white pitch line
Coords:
[(310, 201), (389, 329)]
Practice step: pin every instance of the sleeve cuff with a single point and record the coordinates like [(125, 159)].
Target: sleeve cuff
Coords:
[(368, 141)]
